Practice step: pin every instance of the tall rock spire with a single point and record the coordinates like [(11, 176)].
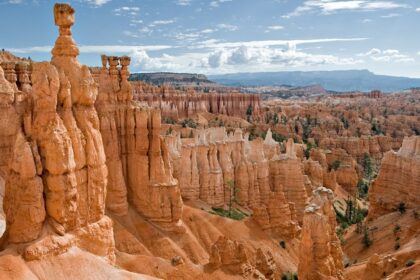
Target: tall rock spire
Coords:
[(64, 19)]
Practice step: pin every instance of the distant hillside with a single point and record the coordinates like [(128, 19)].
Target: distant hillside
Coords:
[(285, 91), (175, 79), (346, 80)]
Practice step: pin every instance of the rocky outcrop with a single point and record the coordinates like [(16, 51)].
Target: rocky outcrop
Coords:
[(278, 216), (234, 257), (398, 180), (320, 255)]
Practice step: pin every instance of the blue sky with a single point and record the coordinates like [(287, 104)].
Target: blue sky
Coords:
[(227, 36)]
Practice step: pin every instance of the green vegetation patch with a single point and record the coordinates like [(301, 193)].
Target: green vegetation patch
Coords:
[(233, 214)]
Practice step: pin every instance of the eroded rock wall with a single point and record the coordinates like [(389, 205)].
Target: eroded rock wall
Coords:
[(178, 105), (398, 180), (221, 169), (140, 171)]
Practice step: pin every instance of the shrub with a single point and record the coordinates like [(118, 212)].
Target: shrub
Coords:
[(397, 228), (289, 276), (168, 120), (367, 166), (278, 137), (308, 149), (366, 238), (409, 263), (189, 123), (397, 246), (282, 244), (401, 207), (363, 188), (335, 165), (169, 131)]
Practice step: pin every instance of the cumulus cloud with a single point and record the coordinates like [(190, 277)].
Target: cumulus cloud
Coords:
[(331, 6), (253, 57), (389, 55)]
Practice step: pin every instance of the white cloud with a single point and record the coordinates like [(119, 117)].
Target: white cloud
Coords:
[(136, 21), (389, 55), (208, 30), (254, 57), (183, 2), (418, 10), (274, 28), (131, 11), (97, 3), (227, 27), (217, 3), (331, 6), (366, 20), (161, 22), (15, 1)]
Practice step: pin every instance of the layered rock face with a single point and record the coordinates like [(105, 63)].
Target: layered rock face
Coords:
[(320, 255), (178, 105), (57, 170), (220, 169), (140, 170), (374, 146), (398, 180)]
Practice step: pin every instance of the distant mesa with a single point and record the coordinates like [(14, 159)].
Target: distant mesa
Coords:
[(341, 81)]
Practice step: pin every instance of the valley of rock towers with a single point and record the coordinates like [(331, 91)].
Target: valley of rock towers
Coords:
[(105, 178)]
